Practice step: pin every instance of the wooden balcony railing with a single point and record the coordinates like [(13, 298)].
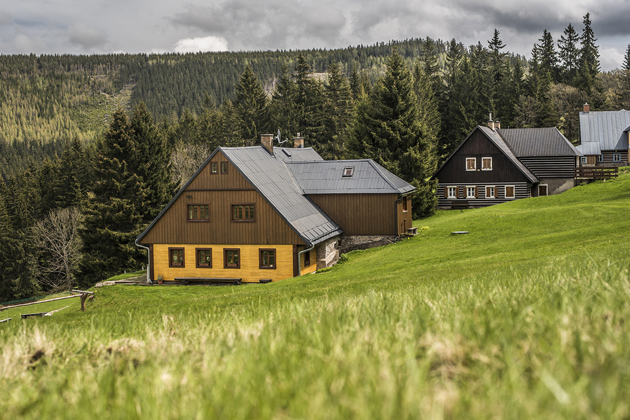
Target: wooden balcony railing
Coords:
[(596, 172)]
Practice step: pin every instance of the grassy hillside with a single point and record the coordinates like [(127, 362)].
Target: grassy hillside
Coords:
[(524, 317)]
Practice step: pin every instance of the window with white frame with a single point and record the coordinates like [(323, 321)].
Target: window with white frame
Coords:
[(452, 192), (600, 158), (471, 192), (616, 157), (509, 191), (471, 164), (583, 159), (490, 192), (486, 164)]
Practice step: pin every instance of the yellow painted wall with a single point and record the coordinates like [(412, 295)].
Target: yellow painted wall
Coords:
[(249, 271), (311, 268)]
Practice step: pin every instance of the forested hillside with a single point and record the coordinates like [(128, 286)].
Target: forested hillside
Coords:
[(92, 147)]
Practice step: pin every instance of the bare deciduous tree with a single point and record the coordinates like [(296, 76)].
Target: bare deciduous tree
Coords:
[(57, 239), (186, 159)]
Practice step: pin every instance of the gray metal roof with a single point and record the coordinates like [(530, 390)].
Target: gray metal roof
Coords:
[(326, 177), (590, 148), (526, 142), (271, 177), (501, 144), (608, 128), (306, 154)]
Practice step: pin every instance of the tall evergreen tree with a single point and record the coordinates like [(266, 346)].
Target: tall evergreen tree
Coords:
[(114, 210), (73, 182), (589, 57), (251, 107), (389, 130), (497, 58), (339, 114), (283, 112), (548, 57), (153, 161), (569, 54), (626, 60)]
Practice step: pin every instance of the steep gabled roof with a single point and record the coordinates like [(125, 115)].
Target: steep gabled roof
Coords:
[(272, 179), (327, 177), (607, 128), (526, 142), (302, 154), (498, 141)]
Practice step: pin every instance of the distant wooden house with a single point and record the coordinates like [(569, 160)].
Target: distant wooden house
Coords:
[(494, 165), (604, 137), (264, 213)]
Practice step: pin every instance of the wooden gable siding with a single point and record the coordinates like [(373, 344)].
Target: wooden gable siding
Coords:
[(550, 166), (360, 214), (233, 180), (219, 192), (479, 146)]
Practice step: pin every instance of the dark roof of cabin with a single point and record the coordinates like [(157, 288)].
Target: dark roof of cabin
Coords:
[(271, 177), (327, 177), (606, 128), (526, 142)]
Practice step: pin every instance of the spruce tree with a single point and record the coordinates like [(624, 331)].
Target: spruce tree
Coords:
[(251, 107), (548, 57), (625, 66), (152, 162), (283, 112), (114, 211), (589, 58), (339, 114), (569, 55), (389, 131), (497, 58)]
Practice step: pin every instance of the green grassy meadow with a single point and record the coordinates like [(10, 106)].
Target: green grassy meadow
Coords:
[(523, 318)]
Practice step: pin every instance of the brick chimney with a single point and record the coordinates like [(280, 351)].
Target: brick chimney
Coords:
[(266, 140), (587, 107), (298, 142)]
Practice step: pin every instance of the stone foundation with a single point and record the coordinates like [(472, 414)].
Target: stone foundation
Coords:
[(327, 253), (353, 242)]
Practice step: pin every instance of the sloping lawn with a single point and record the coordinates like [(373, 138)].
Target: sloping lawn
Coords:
[(524, 317)]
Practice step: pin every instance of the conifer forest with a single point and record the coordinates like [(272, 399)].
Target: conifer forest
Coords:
[(93, 147)]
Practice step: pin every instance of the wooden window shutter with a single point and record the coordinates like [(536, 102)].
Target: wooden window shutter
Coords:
[(476, 192), (445, 191)]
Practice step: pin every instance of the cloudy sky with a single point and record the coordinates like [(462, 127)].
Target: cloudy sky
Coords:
[(134, 26)]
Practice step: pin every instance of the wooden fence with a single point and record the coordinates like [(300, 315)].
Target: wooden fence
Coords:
[(596, 172)]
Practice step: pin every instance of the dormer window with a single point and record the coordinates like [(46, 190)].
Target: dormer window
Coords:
[(347, 172)]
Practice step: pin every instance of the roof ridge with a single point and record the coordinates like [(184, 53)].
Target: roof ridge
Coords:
[(375, 165)]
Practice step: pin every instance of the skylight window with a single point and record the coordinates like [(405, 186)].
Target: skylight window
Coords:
[(348, 171)]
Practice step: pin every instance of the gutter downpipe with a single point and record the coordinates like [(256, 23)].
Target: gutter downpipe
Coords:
[(300, 258), (149, 260)]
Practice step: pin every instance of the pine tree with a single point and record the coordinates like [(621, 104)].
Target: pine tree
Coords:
[(589, 58), (569, 55), (497, 58), (548, 57), (389, 130), (626, 60), (283, 112), (153, 161), (625, 80), (114, 210), (339, 114), (251, 107)]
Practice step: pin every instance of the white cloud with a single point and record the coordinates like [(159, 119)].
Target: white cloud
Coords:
[(208, 43)]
